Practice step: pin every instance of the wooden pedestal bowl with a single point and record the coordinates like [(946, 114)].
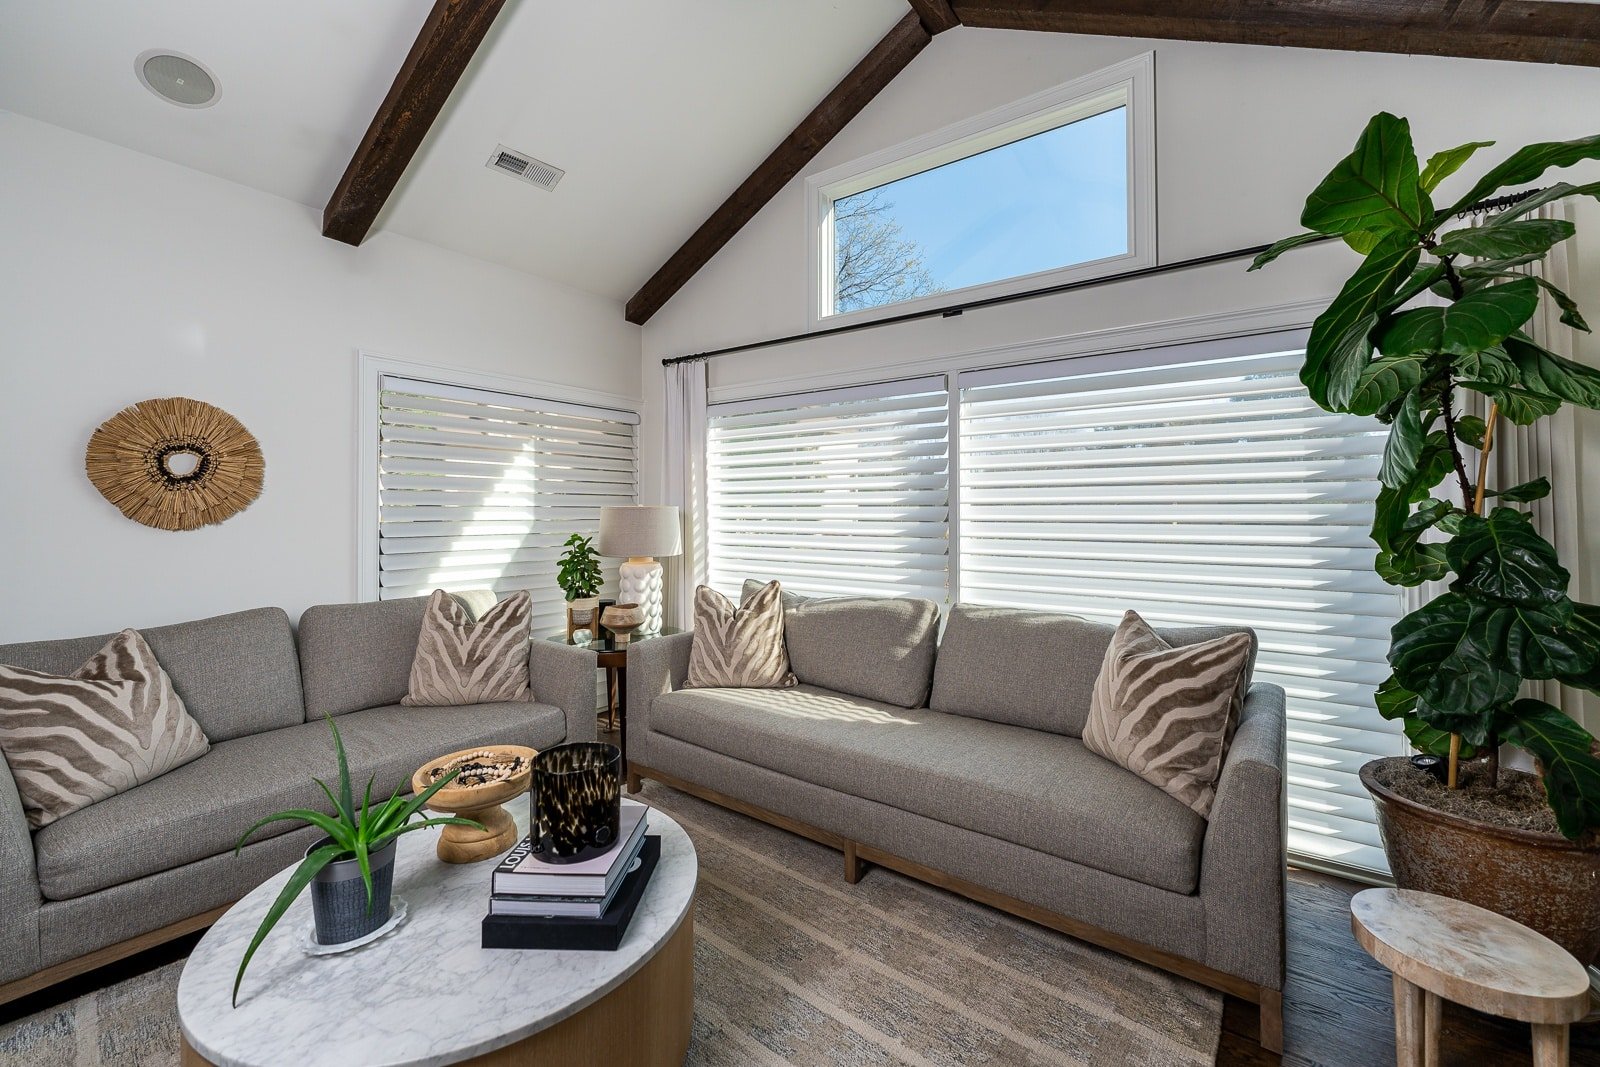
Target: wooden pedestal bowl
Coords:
[(490, 776)]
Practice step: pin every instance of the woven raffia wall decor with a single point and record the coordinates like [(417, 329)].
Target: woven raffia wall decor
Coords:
[(175, 463)]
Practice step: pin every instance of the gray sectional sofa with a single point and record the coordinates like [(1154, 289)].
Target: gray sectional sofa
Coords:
[(959, 762), (157, 861)]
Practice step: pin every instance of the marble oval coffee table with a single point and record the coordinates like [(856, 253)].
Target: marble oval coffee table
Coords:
[(427, 994)]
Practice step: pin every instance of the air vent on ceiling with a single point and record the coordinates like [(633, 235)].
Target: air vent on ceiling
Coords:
[(523, 166)]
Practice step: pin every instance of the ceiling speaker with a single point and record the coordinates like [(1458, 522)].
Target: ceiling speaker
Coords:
[(176, 78)]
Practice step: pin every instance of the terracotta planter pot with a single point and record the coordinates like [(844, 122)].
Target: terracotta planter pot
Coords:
[(1543, 881)]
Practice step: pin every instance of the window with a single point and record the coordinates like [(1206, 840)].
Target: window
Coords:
[(1055, 187), (1195, 484), (478, 488), (835, 493)]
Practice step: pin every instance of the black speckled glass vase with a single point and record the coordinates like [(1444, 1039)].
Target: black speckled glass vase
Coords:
[(577, 801)]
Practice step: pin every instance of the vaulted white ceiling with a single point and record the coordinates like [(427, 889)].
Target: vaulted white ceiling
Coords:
[(655, 110)]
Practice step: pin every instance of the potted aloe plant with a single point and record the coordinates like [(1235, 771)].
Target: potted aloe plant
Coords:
[(351, 870), (1521, 844), (578, 575)]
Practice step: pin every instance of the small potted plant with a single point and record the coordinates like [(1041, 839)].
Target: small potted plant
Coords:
[(351, 870), (578, 575), (1439, 309)]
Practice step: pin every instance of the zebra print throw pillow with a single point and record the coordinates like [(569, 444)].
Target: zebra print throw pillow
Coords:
[(738, 648), (459, 661), (115, 722), (1166, 713)]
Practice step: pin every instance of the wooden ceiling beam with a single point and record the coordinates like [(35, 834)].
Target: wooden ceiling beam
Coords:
[(1523, 30), (449, 38), (936, 15), (888, 58)]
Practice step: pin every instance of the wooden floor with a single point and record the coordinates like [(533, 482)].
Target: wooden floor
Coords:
[(1337, 1006)]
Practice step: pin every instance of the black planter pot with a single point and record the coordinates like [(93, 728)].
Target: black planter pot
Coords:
[(577, 801), (339, 896)]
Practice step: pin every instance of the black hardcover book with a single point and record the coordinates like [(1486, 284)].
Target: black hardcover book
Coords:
[(565, 932)]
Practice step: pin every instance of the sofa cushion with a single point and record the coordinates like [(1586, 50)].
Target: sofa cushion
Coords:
[(1033, 668), (201, 808), (1040, 790), (236, 674), (738, 647), (355, 656), (1168, 713), (460, 660), (114, 722), (879, 648)]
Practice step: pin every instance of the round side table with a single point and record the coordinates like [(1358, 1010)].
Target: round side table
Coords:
[(1443, 949)]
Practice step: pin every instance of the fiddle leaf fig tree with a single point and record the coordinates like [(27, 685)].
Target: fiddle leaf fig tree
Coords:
[(1459, 661)]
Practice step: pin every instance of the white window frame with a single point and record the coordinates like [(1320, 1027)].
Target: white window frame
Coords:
[(371, 367), (1129, 84)]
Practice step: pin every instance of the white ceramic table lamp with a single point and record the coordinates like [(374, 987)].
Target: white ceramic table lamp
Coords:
[(641, 532)]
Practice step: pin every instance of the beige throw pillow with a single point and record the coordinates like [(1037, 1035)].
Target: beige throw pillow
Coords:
[(459, 661), (115, 722), (1166, 713), (738, 648)]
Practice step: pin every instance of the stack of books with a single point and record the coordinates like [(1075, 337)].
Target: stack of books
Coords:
[(587, 905)]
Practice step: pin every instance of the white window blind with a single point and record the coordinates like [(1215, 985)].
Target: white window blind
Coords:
[(1198, 490), (478, 489), (834, 493)]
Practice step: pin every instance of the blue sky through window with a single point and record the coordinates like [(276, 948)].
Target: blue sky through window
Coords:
[(1047, 201)]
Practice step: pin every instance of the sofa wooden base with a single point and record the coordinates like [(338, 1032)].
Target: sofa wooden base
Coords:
[(110, 954), (856, 854)]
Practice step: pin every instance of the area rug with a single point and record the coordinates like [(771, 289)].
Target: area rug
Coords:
[(793, 966)]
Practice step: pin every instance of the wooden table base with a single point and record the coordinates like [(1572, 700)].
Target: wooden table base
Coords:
[(644, 1022)]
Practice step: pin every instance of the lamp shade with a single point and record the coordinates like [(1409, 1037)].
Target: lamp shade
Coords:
[(640, 530)]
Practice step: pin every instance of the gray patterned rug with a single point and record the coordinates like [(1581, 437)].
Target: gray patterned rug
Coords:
[(795, 967)]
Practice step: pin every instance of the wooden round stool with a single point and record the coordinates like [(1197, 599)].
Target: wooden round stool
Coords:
[(1439, 948)]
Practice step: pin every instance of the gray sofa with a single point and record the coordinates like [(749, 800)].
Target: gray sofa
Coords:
[(960, 763), (157, 861)]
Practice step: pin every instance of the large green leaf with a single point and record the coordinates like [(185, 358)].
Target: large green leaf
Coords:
[(1525, 237), (1565, 752), (1524, 166), (1536, 642), (1584, 627), (1376, 187), (1542, 371), (1283, 246), (1518, 405), (1479, 320), (1413, 566), (1443, 164), (1407, 436), (1478, 276), (1394, 700), (1491, 367), (1340, 345), (347, 804), (1384, 380), (1502, 556), (1440, 652), (1537, 489), (302, 876)]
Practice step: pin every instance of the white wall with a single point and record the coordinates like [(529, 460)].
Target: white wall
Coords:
[(124, 277), (1243, 133)]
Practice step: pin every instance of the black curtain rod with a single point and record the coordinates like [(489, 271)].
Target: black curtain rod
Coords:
[(952, 310)]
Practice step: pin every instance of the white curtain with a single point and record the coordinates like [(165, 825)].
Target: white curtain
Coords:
[(685, 484)]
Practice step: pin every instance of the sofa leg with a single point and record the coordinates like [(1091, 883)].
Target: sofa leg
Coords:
[(635, 783), (852, 863), (1272, 1020)]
